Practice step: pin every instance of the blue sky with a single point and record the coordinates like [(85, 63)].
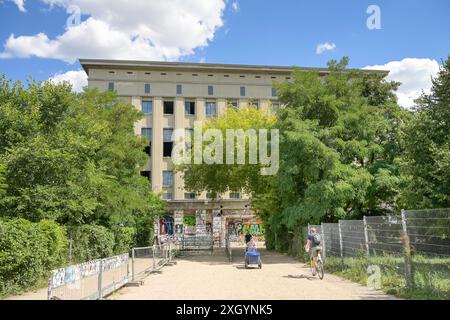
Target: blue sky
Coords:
[(413, 38)]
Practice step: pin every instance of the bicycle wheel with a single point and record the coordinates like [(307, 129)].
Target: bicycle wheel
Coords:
[(319, 269)]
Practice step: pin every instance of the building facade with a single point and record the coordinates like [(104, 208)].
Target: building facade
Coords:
[(173, 96)]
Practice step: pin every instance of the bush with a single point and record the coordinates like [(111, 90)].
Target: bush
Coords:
[(124, 239), (27, 252), (91, 242), (56, 244)]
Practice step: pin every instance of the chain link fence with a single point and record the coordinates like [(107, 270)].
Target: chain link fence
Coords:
[(410, 250)]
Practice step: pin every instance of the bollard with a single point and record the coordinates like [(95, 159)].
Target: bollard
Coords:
[(132, 264)]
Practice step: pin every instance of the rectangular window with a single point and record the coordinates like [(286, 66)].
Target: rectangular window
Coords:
[(255, 103), (235, 195), (147, 174), (189, 196), (210, 90), (274, 92), (275, 106), (242, 92), (167, 142), (147, 132), (111, 86), (147, 88), (210, 109), (167, 179), (189, 137), (209, 195), (147, 107), (189, 107), (179, 89), (167, 196), (168, 107), (232, 103)]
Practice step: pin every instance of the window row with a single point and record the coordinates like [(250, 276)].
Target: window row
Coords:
[(189, 107), (179, 89)]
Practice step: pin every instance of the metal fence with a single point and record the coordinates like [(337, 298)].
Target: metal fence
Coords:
[(417, 242), (90, 280), (197, 243), (150, 259), (96, 279), (228, 249)]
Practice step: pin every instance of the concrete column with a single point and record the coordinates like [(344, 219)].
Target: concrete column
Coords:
[(157, 144), (200, 109), (242, 103), (178, 185), (264, 106), (221, 106)]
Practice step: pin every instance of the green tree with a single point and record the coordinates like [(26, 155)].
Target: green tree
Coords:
[(427, 156), (73, 158)]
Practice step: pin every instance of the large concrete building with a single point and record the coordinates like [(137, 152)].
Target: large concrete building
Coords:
[(173, 96)]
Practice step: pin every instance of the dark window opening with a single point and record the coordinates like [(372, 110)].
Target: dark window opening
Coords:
[(167, 149), (168, 107), (147, 174), (189, 107)]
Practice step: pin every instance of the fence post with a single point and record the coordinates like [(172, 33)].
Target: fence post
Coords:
[(49, 288), (340, 244), (100, 281), (324, 249), (132, 263), (154, 261), (366, 236), (407, 253)]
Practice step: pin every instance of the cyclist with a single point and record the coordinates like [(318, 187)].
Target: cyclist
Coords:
[(313, 246)]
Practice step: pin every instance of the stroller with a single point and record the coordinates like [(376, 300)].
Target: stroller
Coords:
[(252, 257)]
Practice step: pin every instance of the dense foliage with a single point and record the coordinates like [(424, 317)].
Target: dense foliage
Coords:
[(75, 160), (427, 152), (27, 251), (341, 150)]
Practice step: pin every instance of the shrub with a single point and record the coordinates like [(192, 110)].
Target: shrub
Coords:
[(124, 239), (27, 252), (91, 242), (56, 244)]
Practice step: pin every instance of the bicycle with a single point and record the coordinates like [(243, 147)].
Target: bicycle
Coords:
[(316, 264)]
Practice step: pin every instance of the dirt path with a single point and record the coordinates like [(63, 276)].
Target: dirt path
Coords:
[(213, 277)]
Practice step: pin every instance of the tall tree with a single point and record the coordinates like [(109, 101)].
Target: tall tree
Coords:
[(427, 157), (73, 158)]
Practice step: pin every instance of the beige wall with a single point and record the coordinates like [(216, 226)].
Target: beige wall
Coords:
[(129, 85)]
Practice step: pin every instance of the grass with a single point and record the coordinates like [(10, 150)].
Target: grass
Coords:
[(431, 275)]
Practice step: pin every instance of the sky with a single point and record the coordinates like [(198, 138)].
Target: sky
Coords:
[(43, 39)]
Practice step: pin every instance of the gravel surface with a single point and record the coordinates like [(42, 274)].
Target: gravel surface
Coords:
[(213, 277)]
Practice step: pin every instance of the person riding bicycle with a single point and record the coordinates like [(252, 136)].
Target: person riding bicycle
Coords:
[(313, 245)]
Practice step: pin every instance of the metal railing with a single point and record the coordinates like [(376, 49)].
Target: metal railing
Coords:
[(150, 259), (197, 243), (90, 280), (228, 249)]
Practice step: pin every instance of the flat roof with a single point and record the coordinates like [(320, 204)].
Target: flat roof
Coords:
[(212, 67)]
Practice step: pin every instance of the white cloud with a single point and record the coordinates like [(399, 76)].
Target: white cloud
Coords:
[(78, 79), (235, 6), (116, 29), (414, 74), (322, 47), (20, 4)]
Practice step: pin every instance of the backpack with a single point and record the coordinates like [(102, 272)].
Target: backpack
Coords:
[(317, 239)]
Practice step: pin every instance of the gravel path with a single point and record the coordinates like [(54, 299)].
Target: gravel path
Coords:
[(213, 277)]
